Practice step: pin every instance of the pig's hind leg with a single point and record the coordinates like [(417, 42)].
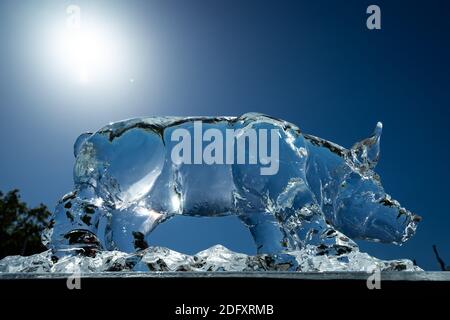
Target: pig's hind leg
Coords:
[(81, 224), (131, 227)]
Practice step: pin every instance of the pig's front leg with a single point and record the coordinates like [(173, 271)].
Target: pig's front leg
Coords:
[(268, 233), (271, 238)]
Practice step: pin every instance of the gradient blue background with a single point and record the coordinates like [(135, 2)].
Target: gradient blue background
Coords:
[(313, 63)]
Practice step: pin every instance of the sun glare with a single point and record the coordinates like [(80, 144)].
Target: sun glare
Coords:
[(86, 51), (89, 54)]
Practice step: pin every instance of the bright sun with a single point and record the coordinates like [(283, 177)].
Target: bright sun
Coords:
[(89, 54), (86, 52)]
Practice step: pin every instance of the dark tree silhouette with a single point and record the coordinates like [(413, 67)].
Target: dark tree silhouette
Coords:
[(20, 227)]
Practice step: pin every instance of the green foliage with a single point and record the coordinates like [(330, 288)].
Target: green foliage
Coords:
[(20, 227)]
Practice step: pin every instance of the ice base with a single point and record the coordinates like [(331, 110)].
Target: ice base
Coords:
[(215, 259)]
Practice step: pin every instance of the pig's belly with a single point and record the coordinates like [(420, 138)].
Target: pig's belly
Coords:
[(207, 190)]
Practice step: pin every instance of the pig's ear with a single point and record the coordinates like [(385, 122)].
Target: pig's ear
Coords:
[(79, 142), (365, 154)]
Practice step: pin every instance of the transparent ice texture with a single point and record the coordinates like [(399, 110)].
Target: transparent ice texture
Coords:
[(214, 259), (322, 196)]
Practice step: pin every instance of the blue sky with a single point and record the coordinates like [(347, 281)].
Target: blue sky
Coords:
[(312, 63)]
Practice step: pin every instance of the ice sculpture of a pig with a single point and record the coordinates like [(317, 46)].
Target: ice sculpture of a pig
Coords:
[(291, 189)]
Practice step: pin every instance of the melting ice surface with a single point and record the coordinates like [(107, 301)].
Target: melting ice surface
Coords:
[(302, 218)]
